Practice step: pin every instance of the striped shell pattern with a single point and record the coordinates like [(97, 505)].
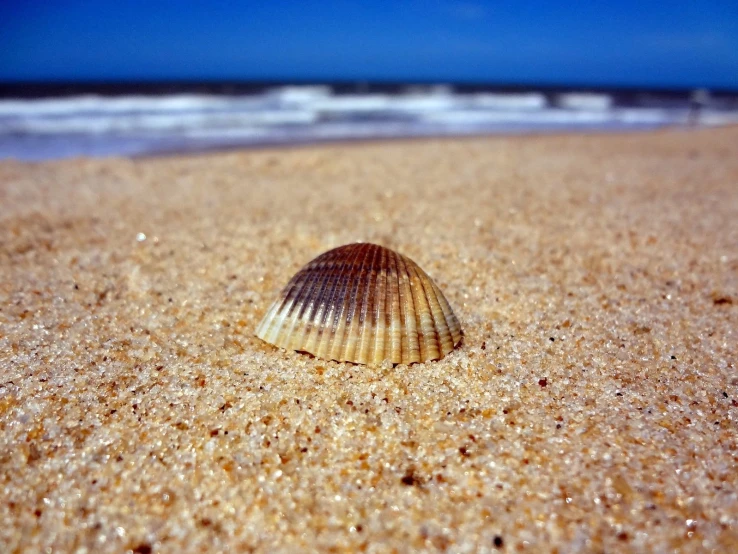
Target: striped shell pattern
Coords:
[(362, 303)]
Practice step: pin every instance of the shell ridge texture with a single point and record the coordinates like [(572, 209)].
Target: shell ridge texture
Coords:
[(411, 319), (433, 334), (318, 305), (380, 342), (353, 314), (341, 319), (422, 312), (393, 298), (305, 297), (288, 305), (379, 317), (328, 324), (365, 323), (362, 303), (440, 324)]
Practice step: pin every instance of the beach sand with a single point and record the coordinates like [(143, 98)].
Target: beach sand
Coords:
[(592, 406)]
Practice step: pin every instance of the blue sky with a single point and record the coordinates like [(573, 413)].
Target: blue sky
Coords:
[(600, 43)]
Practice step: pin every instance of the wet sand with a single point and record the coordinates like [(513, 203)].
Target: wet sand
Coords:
[(592, 406)]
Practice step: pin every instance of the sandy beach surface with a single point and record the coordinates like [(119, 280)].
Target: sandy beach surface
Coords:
[(592, 406)]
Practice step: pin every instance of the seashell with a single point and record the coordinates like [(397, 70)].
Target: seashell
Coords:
[(362, 303)]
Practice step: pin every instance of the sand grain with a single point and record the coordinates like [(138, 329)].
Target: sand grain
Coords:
[(592, 406)]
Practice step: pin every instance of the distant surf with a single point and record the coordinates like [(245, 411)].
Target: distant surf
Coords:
[(39, 128)]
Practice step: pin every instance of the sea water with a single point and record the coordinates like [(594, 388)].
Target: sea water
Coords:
[(135, 125)]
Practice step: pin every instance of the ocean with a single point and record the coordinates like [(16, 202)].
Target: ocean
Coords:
[(145, 121)]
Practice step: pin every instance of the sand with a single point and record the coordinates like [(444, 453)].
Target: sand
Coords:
[(591, 408)]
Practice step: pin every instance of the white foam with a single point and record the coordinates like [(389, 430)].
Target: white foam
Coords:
[(154, 122), (96, 125), (99, 104), (299, 94), (585, 101), (529, 101), (353, 103), (552, 116)]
